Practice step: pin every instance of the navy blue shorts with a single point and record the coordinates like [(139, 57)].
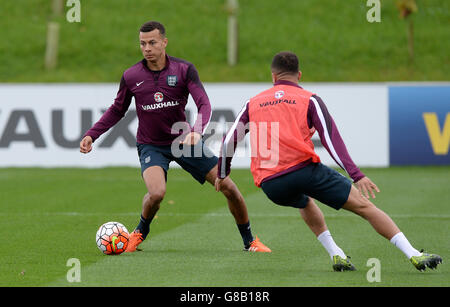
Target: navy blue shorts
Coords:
[(198, 160), (314, 180)]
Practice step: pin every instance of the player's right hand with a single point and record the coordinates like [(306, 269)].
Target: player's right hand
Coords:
[(365, 185), (86, 144)]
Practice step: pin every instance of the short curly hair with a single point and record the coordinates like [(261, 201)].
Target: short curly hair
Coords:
[(152, 25), (285, 62)]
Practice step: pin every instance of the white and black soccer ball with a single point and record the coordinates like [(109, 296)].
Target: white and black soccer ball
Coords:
[(112, 238)]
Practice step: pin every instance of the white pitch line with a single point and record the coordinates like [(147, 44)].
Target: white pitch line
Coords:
[(215, 214)]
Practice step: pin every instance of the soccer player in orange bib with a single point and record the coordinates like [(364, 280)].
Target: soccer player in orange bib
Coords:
[(281, 121)]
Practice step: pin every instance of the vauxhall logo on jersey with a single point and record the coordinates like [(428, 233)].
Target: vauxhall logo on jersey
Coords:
[(159, 97), (278, 95), (160, 105), (275, 102)]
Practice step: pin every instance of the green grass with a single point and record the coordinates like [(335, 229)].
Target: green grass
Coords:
[(333, 39), (51, 215)]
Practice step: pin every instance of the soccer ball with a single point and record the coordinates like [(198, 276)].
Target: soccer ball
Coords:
[(112, 238)]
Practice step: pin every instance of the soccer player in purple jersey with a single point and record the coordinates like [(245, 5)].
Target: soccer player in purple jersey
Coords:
[(160, 85), (296, 185)]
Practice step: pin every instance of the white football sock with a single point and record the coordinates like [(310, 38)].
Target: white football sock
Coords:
[(403, 244), (327, 241)]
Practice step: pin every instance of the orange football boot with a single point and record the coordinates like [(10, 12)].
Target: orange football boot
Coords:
[(136, 238), (258, 246)]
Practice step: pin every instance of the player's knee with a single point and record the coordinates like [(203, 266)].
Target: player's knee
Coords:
[(226, 189), (156, 196), (146, 198), (359, 204), (229, 189), (364, 207)]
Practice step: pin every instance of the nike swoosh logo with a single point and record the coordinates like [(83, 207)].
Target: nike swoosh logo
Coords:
[(113, 241), (139, 83)]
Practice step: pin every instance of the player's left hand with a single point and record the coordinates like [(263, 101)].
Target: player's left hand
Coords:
[(218, 183), (191, 138), (365, 185)]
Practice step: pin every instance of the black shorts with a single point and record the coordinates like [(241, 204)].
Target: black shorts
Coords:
[(198, 160), (314, 180)]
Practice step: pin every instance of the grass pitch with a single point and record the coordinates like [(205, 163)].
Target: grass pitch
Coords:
[(51, 215)]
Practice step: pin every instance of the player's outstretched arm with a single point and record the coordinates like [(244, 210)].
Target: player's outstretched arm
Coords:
[(321, 120), (236, 134), (86, 144), (366, 186)]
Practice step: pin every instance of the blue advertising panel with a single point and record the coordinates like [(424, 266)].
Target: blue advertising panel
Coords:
[(419, 125)]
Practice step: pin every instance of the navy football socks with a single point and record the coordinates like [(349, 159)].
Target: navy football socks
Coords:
[(144, 226), (246, 234)]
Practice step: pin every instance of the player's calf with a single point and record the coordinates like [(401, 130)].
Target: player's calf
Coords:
[(379, 220)]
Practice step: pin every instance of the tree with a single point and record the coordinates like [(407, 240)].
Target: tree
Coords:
[(51, 50), (406, 8)]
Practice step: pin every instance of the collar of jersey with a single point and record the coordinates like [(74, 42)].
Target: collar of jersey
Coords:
[(144, 63), (284, 82)]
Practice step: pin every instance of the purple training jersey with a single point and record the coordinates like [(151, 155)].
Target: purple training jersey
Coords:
[(161, 98)]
